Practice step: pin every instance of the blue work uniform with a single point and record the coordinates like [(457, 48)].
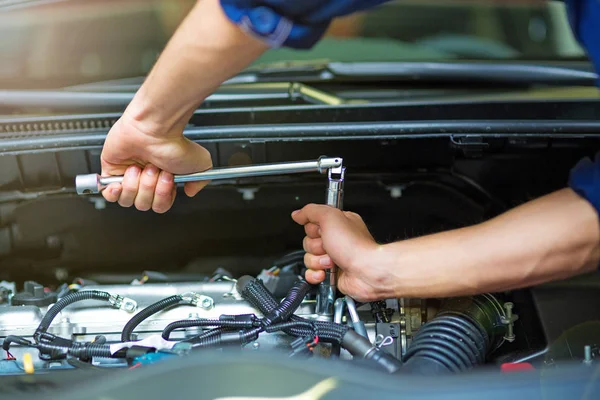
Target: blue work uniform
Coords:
[(301, 23)]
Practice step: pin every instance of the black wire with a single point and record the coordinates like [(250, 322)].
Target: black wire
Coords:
[(64, 302), (189, 323), (147, 312)]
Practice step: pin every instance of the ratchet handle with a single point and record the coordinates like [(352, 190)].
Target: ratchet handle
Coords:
[(94, 183)]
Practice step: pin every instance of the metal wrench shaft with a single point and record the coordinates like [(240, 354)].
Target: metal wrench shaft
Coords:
[(94, 183), (328, 288)]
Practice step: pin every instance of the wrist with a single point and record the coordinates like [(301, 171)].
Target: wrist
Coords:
[(382, 270), (152, 121)]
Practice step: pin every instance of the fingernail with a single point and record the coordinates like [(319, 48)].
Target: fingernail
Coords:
[(295, 212), (325, 260), (151, 170), (166, 177), (133, 172), (116, 191), (319, 231)]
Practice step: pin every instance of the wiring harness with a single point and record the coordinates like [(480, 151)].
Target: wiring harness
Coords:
[(227, 330)]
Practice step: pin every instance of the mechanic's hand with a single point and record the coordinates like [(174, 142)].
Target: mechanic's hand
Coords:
[(148, 162), (340, 237)]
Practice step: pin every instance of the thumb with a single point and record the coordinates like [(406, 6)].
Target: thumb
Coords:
[(200, 160), (192, 188)]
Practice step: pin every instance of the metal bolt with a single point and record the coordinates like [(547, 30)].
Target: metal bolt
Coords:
[(395, 191), (207, 303), (129, 306), (587, 355), (255, 345), (510, 335), (99, 203), (248, 193), (61, 274)]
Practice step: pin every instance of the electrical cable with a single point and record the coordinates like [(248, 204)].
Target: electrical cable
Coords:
[(66, 301), (189, 323), (149, 311)]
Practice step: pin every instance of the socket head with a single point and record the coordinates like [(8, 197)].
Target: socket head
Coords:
[(87, 184)]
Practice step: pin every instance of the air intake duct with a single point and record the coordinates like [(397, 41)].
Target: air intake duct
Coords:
[(458, 338)]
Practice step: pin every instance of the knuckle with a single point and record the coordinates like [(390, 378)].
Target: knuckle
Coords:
[(307, 260), (163, 191), (129, 186), (147, 184), (354, 215)]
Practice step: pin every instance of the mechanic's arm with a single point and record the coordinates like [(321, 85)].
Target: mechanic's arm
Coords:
[(147, 144), (217, 39), (550, 238)]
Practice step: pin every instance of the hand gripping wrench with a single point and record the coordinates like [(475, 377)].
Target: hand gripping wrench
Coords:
[(94, 183), (327, 290)]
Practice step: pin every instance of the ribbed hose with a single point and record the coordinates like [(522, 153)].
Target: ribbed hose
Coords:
[(289, 304), (308, 326), (64, 302), (90, 350), (447, 343), (189, 323), (147, 312), (211, 338), (255, 292), (84, 351), (219, 337)]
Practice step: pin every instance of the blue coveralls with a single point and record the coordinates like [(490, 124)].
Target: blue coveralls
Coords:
[(301, 23)]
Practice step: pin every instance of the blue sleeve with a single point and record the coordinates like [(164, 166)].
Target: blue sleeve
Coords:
[(291, 23), (585, 180), (584, 16)]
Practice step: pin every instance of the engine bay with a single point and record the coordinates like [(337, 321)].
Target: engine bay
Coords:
[(86, 325), (89, 287)]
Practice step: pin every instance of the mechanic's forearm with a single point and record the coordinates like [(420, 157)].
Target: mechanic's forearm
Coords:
[(206, 50), (553, 237)]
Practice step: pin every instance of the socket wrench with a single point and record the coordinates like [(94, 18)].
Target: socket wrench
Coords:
[(94, 183)]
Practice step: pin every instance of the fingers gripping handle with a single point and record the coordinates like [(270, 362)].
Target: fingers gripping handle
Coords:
[(94, 183)]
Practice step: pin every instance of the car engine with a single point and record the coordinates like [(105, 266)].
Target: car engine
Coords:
[(86, 325)]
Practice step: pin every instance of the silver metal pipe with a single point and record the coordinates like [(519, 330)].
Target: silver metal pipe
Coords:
[(339, 308), (94, 183), (352, 309), (327, 290)]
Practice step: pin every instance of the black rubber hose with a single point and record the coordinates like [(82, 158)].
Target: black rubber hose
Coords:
[(446, 344), (361, 347), (289, 304), (79, 350), (206, 339), (10, 339), (189, 323), (89, 350), (310, 327), (220, 337), (147, 312), (64, 302), (255, 292)]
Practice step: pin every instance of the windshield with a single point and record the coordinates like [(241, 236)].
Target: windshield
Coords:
[(59, 43)]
